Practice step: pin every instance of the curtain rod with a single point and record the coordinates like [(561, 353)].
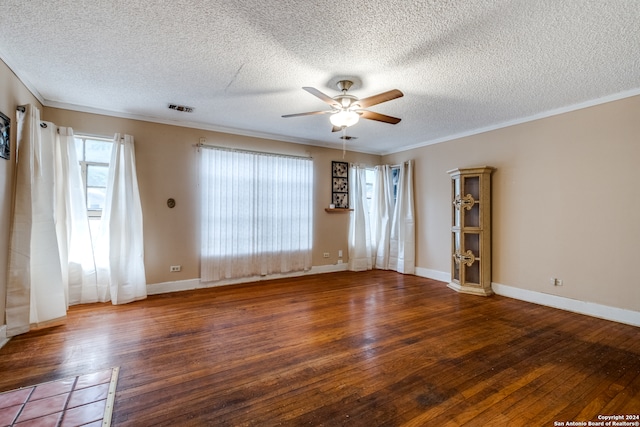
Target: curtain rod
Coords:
[(23, 109), (406, 162), (240, 150)]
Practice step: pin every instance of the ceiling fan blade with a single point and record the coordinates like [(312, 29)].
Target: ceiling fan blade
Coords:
[(310, 113), (379, 117), (326, 98), (380, 98)]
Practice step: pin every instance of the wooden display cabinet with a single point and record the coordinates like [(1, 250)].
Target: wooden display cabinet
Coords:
[(471, 230)]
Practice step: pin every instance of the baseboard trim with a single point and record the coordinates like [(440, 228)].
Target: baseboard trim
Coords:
[(615, 314), (166, 287), (3, 335), (185, 285), (433, 274)]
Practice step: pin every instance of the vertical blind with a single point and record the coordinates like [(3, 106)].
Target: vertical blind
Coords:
[(256, 214)]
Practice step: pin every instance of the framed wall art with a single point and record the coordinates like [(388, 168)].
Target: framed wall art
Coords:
[(5, 140), (340, 185)]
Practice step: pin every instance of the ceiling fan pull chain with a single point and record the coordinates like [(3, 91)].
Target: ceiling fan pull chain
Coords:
[(344, 142)]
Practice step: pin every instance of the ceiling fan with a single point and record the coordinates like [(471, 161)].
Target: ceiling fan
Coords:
[(346, 110)]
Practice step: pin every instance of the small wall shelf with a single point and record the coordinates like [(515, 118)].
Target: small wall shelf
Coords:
[(337, 210)]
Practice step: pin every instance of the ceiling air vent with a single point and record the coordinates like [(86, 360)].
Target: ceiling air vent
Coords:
[(182, 108)]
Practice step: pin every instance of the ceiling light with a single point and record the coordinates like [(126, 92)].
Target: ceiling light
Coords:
[(344, 118)]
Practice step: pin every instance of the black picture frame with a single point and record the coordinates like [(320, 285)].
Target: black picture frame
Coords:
[(5, 137), (340, 184)]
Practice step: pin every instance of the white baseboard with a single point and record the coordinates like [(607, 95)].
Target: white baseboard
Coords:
[(331, 268), (615, 314), (3, 335), (166, 287), (185, 285), (433, 274)]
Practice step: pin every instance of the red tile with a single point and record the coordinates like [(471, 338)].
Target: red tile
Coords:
[(84, 414), (94, 379), (88, 395), (42, 407), (53, 388), (46, 421), (14, 397), (8, 415)]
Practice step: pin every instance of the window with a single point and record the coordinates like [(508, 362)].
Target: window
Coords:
[(256, 214), (395, 177), (94, 155), (369, 178)]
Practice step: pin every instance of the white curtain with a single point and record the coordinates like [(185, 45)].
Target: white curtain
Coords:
[(72, 224), (402, 256), (382, 206), (120, 253), (51, 259), (393, 222), (256, 214), (35, 290), (360, 258)]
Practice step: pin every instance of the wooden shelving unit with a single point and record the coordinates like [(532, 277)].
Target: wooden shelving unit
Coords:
[(471, 230)]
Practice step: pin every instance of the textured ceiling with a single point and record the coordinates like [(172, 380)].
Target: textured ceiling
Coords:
[(464, 66)]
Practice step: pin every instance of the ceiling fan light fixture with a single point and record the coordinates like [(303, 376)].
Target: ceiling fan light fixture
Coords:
[(344, 118)]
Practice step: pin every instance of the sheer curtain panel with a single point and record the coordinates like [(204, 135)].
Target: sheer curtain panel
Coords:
[(256, 214), (360, 258), (393, 218), (382, 206), (402, 255), (72, 224), (35, 291), (120, 259)]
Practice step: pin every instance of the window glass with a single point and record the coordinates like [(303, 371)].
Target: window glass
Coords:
[(79, 149), (97, 151), (97, 175), (395, 176), (255, 204), (95, 198), (94, 156), (369, 178)]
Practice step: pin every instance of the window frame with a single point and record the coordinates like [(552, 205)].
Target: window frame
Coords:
[(395, 176), (84, 167)]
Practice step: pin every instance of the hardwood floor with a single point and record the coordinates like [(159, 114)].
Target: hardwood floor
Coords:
[(360, 349)]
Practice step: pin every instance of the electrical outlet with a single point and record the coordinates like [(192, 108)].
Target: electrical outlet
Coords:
[(175, 268), (340, 253), (326, 255), (558, 282)]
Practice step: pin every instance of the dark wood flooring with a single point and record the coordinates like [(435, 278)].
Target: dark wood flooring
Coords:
[(357, 349)]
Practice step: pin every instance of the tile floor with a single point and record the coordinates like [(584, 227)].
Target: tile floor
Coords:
[(85, 400)]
